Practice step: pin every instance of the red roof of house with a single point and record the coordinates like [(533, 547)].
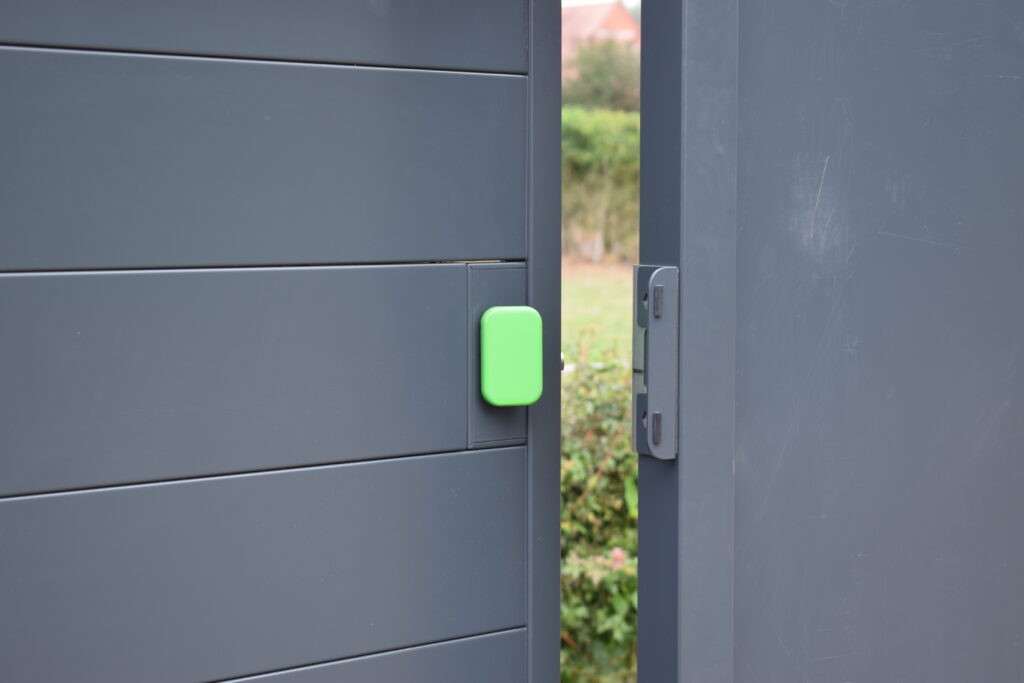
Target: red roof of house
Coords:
[(597, 21)]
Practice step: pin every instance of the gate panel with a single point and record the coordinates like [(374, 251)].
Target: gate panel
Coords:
[(492, 284), (116, 161), (116, 377), (501, 655), (225, 576), (244, 249), (840, 185), (879, 393), (483, 35)]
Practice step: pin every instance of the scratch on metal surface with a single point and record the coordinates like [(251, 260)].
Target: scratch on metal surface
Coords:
[(945, 50), (817, 199), (858, 8), (922, 240), (797, 415), (815, 218), (824, 244), (826, 658), (777, 632), (989, 424)]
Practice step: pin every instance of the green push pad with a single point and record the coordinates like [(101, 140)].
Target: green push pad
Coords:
[(510, 354)]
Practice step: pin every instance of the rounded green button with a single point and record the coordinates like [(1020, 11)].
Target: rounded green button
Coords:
[(511, 373)]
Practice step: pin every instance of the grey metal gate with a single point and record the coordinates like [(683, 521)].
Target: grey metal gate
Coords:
[(840, 184), (245, 248)]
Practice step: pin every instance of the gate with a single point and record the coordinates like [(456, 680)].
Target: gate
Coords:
[(839, 186), (245, 251)]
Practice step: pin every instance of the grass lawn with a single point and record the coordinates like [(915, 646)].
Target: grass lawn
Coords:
[(596, 310)]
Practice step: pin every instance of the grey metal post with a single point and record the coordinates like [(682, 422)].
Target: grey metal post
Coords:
[(688, 220), (544, 249)]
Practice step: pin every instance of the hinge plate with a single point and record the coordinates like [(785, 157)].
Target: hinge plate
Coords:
[(656, 361)]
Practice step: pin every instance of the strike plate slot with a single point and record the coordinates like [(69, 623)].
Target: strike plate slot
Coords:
[(656, 361)]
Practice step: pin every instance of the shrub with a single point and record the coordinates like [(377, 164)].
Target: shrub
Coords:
[(605, 73), (599, 540), (599, 141), (600, 182)]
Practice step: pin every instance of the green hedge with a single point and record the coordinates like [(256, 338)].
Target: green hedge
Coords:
[(600, 182), (600, 141), (599, 510), (600, 174)]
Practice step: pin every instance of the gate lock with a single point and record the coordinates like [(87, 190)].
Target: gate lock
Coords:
[(656, 361)]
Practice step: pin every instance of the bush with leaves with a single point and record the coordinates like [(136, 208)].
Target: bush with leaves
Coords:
[(605, 74), (601, 142), (599, 510), (600, 181)]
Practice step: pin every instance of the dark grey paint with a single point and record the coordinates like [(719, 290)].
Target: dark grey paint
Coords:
[(688, 219), (227, 576), (114, 377), (495, 657), (483, 35), (492, 284), (879, 476), (879, 263), (115, 161), (543, 281)]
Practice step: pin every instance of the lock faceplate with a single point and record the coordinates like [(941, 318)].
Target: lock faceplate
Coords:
[(656, 361)]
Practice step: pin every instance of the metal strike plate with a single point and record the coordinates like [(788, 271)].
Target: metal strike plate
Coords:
[(656, 361)]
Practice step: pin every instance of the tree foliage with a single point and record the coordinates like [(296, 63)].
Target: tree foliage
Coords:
[(606, 75), (600, 182)]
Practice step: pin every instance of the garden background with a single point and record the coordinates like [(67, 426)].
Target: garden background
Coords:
[(600, 217)]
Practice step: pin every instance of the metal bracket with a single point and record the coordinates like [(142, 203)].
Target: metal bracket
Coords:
[(656, 361)]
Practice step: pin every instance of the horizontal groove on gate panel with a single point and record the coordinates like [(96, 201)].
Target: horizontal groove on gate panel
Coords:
[(250, 473), (461, 660), (123, 161), (256, 266), (266, 60), (111, 378), (482, 35), (262, 572)]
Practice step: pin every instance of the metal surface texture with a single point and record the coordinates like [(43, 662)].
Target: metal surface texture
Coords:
[(840, 183), (151, 375), (242, 265), (880, 423), (688, 220), (492, 284), (141, 161), (543, 286), (225, 576), (501, 655), (485, 35)]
